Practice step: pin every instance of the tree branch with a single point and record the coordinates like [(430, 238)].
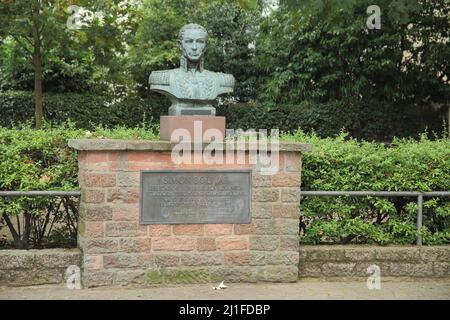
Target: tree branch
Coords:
[(26, 230), (22, 44), (18, 225), (11, 228), (348, 238)]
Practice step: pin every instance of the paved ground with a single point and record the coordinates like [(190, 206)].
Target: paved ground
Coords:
[(304, 289)]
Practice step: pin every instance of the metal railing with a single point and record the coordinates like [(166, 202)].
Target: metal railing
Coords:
[(419, 195)]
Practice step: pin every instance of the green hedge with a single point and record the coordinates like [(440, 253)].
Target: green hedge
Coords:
[(345, 164), (40, 160), (369, 122), (86, 110)]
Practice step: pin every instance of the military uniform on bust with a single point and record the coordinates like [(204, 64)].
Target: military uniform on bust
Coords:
[(191, 92), (190, 88)]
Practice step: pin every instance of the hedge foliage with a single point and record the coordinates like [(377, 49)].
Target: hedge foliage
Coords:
[(87, 111), (344, 164), (368, 122), (40, 160)]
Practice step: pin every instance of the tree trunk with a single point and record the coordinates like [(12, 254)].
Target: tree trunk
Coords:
[(448, 123), (37, 61), (20, 241), (14, 233), (26, 231)]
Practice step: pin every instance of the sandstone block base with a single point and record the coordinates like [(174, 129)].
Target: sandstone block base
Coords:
[(118, 250), (36, 267), (325, 261)]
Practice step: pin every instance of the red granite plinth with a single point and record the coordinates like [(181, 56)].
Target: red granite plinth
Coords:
[(192, 128)]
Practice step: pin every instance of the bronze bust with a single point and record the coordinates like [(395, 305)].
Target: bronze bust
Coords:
[(190, 88)]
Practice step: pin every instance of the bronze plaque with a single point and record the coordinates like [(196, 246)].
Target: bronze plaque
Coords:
[(201, 196)]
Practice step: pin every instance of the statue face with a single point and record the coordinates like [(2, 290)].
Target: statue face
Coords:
[(193, 44)]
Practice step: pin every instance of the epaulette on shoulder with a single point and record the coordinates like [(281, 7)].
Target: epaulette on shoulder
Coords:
[(159, 77), (226, 80)]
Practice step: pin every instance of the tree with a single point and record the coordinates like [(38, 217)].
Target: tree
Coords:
[(70, 59), (34, 25), (321, 54)]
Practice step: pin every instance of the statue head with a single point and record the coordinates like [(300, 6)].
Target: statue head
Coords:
[(192, 40)]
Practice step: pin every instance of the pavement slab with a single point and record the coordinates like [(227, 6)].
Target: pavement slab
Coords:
[(304, 289)]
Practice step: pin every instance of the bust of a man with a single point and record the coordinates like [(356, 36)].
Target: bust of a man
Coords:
[(190, 88)]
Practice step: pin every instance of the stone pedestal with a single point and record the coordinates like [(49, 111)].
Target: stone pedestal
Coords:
[(118, 250), (192, 128)]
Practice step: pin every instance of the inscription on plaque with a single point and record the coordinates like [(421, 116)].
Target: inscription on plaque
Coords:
[(181, 196)]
